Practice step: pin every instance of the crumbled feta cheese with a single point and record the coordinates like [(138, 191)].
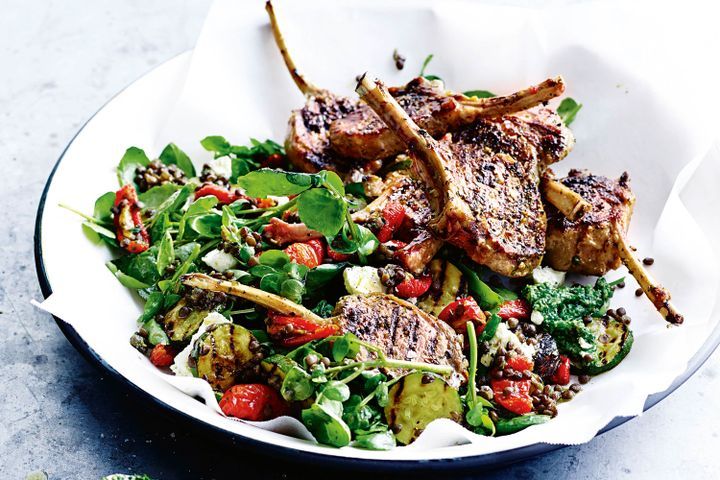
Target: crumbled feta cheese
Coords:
[(536, 317), (222, 167), (363, 280), (548, 275), (504, 337), (584, 344), (219, 260), (180, 365)]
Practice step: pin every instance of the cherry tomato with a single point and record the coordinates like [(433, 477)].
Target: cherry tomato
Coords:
[(162, 356), (461, 311), (253, 401), (517, 398), (308, 253), (290, 331), (274, 161), (393, 215), (224, 196), (520, 363), (518, 308), (562, 374), (337, 256), (413, 287)]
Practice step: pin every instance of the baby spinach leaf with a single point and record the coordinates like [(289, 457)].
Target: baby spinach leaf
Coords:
[(322, 211), (162, 223), (142, 266), (98, 233), (216, 144), (512, 425), (322, 275), (125, 279), (172, 155), (155, 196), (200, 206), (567, 110), (265, 181), (174, 202), (134, 157), (166, 252), (103, 205), (206, 225), (153, 305), (479, 94), (376, 441)]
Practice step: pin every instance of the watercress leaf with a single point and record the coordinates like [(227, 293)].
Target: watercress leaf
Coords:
[(474, 415), (266, 181), (376, 441), (227, 216), (297, 385), (132, 159), (260, 271), (368, 242), (479, 94), (216, 144), (200, 206), (335, 390), (125, 279), (292, 290), (274, 258), (172, 155), (372, 380), (174, 202), (381, 394), (186, 251), (322, 211), (155, 196), (322, 275), (268, 147), (335, 182), (142, 266), (206, 225), (166, 252), (156, 334), (103, 204), (186, 266), (568, 109), (340, 349), (271, 283), (326, 426), (355, 189), (295, 270)]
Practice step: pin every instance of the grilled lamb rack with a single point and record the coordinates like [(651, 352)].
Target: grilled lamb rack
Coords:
[(400, 329), (308, 142), (363, 135), (596, 242), (485, 180)]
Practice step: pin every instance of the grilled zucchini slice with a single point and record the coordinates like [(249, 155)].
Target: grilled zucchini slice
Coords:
[(614, 340), (416, 400), (179, 327), (227, 354), (449, 277)]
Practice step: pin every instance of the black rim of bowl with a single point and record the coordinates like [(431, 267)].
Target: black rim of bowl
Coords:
[(302, 456)]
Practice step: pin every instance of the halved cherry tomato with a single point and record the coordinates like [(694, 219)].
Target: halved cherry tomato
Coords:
[(517, 398), (518, 308), (253, 401), (162, 355), (461, 311), (273, 161), (413, 287), (337, 256), (562, 374), (520, 363), (393, 215), (290, 331), (308, 253), (129, 228), (224, 196)]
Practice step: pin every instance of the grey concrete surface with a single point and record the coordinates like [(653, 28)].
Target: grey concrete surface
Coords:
[(61, 60)]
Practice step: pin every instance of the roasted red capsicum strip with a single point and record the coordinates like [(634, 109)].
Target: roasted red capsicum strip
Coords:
[(224, 196), (461, 311), (562, 374), (393, 215), (290, 331), (129, 228), (513, 395), (518, 308), (413, 287)]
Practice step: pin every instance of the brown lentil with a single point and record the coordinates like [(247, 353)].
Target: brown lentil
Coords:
[(639, 292), (583, 379), (648, 261)]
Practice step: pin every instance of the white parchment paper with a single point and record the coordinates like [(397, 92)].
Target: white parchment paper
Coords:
[(641, 69)]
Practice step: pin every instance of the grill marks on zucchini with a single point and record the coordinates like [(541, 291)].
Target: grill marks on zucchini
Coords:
[(181, 323), (448, 284), (614, 340), (227, 354)]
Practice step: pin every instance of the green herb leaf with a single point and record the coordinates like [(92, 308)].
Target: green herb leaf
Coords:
[(125, 279), (166, 252), (479, 94), (172, 155), (297, 385), (322, 211), (103, 205), (335, 390), (567, 110), (216, 144), (156, 334), (427, 60), (292, 290), (376, 441), (326, 425), (265, 181), (202, 205), (133, 158), (274, 258), (207, 225), (512, 425), (321, 275)]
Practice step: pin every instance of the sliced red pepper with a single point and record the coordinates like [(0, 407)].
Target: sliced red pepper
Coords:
[(291, 331), (308, 253), (520, 363), (562, 374), (162, 355), (129, 228), (253, 401), (461, 311), (393, 215), (517, 399), (224, 196), (337, 256), (518, 308), (413, 287)]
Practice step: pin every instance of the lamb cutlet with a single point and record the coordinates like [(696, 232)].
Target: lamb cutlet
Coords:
[(363, 135), (401, 330), (596, 242), (485, 180)]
